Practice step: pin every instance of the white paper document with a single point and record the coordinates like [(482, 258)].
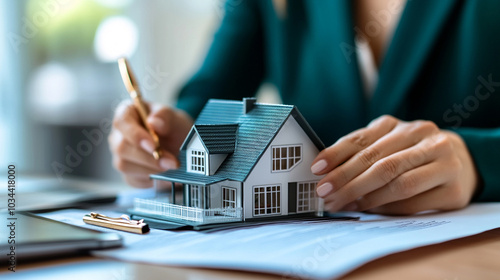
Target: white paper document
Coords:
[(321, 250)]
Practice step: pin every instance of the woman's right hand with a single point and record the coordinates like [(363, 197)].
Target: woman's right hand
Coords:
[(132, 147)]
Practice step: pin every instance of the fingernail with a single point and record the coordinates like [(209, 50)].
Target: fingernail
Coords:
[(318, 166), (157, 123), (324, 189), (353, 206), (147, 146), (167, 164)]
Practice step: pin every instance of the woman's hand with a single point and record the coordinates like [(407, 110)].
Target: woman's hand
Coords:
[(396, 167), (132, 147)]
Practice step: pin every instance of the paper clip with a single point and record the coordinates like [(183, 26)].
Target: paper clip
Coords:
[(123, 223)]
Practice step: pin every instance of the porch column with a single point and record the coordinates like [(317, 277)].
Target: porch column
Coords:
[(206, 197), (173, 193)]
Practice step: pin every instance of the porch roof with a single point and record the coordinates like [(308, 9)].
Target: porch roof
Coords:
[(183, 177)]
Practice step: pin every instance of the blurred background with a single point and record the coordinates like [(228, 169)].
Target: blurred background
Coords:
[(59, 81)]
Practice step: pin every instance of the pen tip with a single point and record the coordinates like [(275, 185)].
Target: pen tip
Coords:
[(156, 155)]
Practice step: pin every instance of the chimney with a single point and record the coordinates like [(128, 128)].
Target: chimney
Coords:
[(248, 104)]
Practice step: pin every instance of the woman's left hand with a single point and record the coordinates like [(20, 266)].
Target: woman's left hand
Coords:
[(396, 167)]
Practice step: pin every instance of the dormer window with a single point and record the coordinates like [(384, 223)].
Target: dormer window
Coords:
[(286, 157), (198, 161), (208, 145)]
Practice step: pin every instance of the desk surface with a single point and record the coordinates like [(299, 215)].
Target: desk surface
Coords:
[(474, 257)]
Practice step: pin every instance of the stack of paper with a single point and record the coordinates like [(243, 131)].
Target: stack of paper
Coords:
[(306, 249)]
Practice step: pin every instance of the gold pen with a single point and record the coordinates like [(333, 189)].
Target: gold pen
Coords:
[(123, 223), (132, 87)]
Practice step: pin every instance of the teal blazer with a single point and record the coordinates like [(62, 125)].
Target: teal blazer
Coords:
[(443, 64)]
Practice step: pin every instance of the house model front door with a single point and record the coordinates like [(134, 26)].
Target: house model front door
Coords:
[(198, 196)]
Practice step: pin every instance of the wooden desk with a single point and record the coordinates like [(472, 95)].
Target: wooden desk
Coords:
[(475, 257)]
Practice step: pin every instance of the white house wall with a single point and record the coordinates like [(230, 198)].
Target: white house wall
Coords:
[(290, 134), (215, 162)]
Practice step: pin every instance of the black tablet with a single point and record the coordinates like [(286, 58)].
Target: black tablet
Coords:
[(27, 236)]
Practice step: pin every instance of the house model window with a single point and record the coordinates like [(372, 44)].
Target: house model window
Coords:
[(267, 200), (306, 197), (198, 161), (228, 197), (286, 157)]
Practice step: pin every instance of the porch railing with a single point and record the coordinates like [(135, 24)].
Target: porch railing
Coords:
[(166, 209)]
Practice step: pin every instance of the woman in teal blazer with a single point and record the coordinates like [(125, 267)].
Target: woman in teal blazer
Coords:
[(442, 65)]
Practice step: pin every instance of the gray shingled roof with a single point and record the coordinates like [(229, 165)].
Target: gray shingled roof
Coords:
[(255, 132), (217, 138)]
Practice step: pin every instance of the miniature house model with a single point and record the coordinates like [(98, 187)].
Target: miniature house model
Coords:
[(241, 160)]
